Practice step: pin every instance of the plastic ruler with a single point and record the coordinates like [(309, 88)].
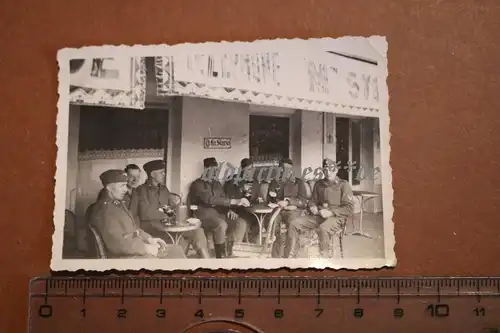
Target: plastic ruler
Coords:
[(264, 304)]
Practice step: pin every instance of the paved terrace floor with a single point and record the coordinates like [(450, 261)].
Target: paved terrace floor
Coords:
[(354, 246)]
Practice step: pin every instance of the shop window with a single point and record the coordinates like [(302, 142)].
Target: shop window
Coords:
[(269, 138), (103, 128), (349, 147)]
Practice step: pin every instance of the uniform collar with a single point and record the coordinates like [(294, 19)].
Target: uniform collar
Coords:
[(336, 181), (149, 183), (106, 198)]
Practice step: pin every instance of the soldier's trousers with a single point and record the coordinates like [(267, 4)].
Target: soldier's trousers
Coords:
[(280, 247), (324, 228), (221, 225), (196, 238)]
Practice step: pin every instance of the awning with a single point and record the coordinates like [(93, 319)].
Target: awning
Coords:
[(293, 78)]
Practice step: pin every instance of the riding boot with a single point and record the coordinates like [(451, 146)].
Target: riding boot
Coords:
[(220, 250), (230, 249)]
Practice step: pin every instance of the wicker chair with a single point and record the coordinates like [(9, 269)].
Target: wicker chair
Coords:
[(249, 250), (99, 243)]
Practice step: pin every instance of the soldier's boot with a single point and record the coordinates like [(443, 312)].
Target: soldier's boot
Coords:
[(229, 250), (220, 250)]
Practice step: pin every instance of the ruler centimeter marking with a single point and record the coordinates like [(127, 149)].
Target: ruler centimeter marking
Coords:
[(273, 287), (471, 303)]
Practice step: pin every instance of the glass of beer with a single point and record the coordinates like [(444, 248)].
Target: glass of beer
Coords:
[(182, 214)]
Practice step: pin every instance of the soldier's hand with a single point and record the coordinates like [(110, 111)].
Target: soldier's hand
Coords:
[(314, 210), (283, 203), (325, 213), (158, 242), (232, 215), (152, 249), (244, 202)]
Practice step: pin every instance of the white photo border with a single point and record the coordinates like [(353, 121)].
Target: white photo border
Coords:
[(59, 264)]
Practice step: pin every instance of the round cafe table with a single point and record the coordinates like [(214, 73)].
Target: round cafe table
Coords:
[(260, 211), (362, 197), (175, 232)]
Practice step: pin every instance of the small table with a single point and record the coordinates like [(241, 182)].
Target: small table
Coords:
[(178, 230), (362, 197), (260, 212)]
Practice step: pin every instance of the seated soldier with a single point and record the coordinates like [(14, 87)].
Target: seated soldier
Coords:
[(245, 184), (290, 193), (117, 227), (215, 210), (330, 206), (149, 201)]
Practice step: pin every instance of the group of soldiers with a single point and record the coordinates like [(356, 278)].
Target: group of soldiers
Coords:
[(125, 213)]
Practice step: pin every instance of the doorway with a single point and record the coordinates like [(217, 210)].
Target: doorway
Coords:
[(269, 138), (348, 137)]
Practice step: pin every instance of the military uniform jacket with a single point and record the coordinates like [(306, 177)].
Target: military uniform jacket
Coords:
[(147, 199), (293, 190), (336, 194), (209, 197), (235, 189), (117, 227)]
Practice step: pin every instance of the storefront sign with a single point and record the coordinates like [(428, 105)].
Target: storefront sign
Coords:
[(116, 82), (217, 143), (318, 77)]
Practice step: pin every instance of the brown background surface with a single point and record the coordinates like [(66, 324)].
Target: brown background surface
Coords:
[(444, 81)]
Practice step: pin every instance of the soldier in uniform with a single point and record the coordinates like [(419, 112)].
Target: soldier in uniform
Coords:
[(215, 210), (134, 176), (117, 227), (330, 206), (150, 198), (290, 193), (244, 185)]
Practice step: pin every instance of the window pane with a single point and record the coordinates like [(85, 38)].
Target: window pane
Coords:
[(356, 150), (342, 139), (103, 128)]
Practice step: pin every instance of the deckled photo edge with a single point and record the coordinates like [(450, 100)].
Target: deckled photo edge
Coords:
[(59, 264)]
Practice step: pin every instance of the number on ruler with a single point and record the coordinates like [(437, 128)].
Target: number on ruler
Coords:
[(480, 312), (239, 313), (318, 312), (45, 311), (160, 313), (399, 313), (199, 314), (439, 310), (83, 312), (358, 313), (121, 313)]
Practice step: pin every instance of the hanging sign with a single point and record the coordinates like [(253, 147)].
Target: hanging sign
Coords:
[(278, 77), (217, 143)]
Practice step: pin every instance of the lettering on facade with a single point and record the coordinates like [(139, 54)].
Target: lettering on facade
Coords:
[(363, 86), (319, 77), (260, 68), (217, 143)]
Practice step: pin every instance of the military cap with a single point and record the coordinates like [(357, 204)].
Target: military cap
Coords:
[(209, 162), (245, 162), (329, 163), (286, 161), (154, 165), (113, 176)]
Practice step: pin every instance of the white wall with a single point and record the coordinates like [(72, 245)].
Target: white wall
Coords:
[(312, 140), (211, 118)]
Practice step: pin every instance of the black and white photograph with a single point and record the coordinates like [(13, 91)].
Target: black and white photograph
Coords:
[(230, 155)]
